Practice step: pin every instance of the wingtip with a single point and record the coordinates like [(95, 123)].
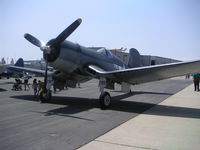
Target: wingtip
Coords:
[(25, 35), (79, 20)]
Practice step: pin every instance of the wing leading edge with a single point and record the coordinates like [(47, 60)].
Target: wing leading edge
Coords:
[(149, 73)]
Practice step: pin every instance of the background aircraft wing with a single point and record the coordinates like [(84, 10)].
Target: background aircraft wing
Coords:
[(35, 71), (148, 73)]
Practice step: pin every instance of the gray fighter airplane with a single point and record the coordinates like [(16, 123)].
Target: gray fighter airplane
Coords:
[(74, 64), (6, 71)]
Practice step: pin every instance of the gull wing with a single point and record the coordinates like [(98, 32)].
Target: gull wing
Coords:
[(148, 73)]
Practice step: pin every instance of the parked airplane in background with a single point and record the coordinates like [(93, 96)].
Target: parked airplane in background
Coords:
[(76, 64), (8, 72)]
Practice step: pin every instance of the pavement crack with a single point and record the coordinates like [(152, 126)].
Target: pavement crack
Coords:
[(126, 145)]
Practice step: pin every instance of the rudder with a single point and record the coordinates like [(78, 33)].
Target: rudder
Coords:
[(20, 62), (134, 58)]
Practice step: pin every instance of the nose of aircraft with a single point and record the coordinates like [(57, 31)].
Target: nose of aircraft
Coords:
[(51, 50)]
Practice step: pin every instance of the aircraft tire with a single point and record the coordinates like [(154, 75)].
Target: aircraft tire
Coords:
[(45, 96), (105, 100)]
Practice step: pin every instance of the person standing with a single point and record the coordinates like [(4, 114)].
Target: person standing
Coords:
[(26, 78), (40, 87), (196, 78), (35, 87)]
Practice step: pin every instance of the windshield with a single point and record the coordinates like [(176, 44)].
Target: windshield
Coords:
[(105, 52)]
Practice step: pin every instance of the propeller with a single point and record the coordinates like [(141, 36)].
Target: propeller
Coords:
[(67, 32), (53, 44), (33, 40)]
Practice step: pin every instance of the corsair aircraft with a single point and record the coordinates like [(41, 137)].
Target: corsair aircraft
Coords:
[(74, 64)]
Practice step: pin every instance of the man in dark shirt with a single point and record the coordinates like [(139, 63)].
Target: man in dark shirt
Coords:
[(196, 79)]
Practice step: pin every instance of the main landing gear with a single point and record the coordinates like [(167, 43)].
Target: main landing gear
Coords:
[(105, 100)]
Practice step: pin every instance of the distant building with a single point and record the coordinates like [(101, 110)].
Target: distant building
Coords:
[(37, 64)]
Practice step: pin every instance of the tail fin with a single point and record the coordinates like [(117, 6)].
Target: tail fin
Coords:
[(20, 62), (134, 58)]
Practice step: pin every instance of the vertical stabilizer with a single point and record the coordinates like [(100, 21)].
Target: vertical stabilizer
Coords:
[(20, 62), (134, 58)]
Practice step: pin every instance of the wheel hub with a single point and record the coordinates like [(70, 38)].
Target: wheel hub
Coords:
[(107, 100)]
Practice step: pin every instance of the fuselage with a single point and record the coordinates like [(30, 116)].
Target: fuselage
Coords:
[(73, 60)]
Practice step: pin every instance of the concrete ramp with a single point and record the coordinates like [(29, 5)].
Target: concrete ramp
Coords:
[(172, 125)]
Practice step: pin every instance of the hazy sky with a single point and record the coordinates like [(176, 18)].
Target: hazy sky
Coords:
[(167, 28)]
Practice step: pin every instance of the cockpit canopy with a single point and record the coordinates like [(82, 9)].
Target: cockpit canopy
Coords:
[(105, 52)]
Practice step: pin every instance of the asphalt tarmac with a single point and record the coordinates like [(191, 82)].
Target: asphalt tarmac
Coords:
[(73, 117)]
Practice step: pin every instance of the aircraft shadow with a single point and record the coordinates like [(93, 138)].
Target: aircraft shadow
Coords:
[(63, 111), (2, 90), (73, 105), (160, 110), (126, 95), (143, 92)]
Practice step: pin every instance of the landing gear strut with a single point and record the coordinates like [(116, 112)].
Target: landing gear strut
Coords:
[(105, 100), (45, 94)]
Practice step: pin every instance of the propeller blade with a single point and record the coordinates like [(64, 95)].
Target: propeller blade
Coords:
[(33, 40), (62, 36)]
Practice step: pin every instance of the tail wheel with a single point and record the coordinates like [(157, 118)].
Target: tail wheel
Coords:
[(105, 100)]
